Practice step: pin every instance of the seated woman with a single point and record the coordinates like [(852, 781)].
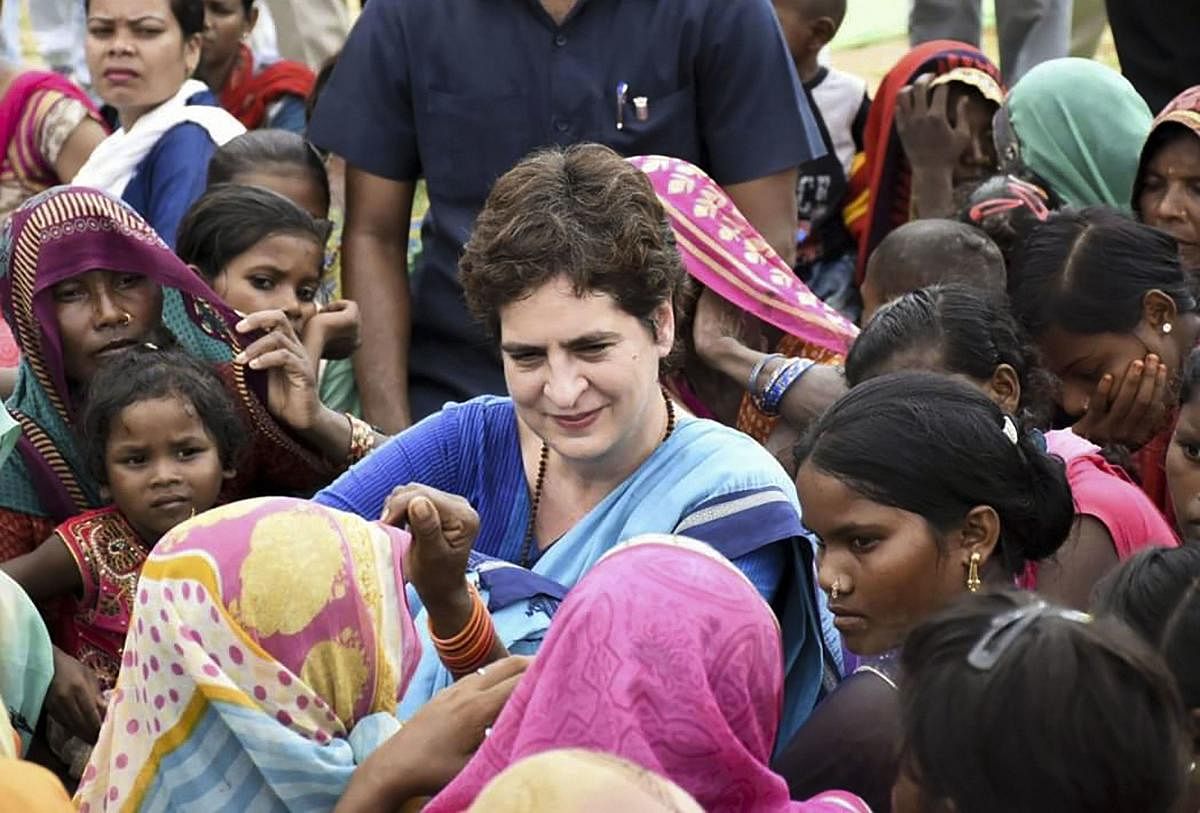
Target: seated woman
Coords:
[(746, 301), (958, 331), (1052, 712), (1074, 127), (268, 95), (573, 270), (1166, 194), (86, 278), (1113, 313), (961, 498), (227, 693), (141, 55), (663, 655), (928, 139), (48, 129)]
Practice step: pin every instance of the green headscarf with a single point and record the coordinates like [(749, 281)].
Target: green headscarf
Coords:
[(1081, 127)]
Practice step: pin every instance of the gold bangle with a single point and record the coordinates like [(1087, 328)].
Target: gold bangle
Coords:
[(362, 439)]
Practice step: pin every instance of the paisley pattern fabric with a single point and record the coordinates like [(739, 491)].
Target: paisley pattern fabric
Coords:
[(109, 556), (265, 634), (666, 656)]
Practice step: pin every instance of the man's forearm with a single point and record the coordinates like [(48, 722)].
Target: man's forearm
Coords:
[(378, 282)]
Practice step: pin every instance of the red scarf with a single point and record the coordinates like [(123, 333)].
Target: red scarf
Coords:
[(247, 94), (880, 184)]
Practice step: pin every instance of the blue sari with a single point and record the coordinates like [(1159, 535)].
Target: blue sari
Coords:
[(705, 481)]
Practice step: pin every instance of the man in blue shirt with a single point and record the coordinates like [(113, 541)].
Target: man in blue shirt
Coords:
[(458, 91)]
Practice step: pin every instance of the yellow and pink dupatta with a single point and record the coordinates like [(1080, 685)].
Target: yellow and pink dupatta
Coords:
[(269, 644)]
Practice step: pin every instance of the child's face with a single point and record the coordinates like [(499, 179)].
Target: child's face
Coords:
[(1183, 472), (280, 272), (798, 31), (162, 465)]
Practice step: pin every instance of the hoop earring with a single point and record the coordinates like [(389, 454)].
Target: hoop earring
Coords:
[(973, 581)]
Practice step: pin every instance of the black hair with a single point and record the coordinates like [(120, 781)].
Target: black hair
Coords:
[(247, 7), (228, 220), (1087, 272), (937, 447), (264, 151), (1190, 381), (1157, 593), (1073, 716), (188, 13), (924, 252), (972, 333), (1007, 208), (147, 372)]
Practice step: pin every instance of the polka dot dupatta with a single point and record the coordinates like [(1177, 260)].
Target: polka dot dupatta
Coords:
[(267, 636)]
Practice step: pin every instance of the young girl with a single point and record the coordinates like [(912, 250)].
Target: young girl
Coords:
[(919, 488), (259, 251), (285, 163), (1183, 455), (162, 436)]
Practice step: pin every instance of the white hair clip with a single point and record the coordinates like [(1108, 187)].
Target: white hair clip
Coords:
[(1010, 430)]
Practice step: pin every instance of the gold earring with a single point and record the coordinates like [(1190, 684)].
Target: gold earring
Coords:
[(835, 589), (973, 582)]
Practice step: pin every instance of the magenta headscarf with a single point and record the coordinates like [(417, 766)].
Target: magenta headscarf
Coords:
[(664, 655), (726, 254)]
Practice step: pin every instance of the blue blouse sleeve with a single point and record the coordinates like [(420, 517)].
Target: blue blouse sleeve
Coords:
[(175, 175), (426, 453), (764, 568)]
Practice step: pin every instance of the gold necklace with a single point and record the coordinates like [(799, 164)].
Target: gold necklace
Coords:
[(527, 547)]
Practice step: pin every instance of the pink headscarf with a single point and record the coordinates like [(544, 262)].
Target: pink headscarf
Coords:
[(726, 254), (664, 655)]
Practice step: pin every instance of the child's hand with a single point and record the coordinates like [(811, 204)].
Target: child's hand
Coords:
[(923, 124), (1135, 413), (332, 332), (74, 698), (291, 381)]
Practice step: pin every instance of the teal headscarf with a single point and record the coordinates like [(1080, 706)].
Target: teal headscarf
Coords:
[(1081, 127)]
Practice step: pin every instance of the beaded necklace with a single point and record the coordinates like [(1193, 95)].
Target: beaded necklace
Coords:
[(527, 548)]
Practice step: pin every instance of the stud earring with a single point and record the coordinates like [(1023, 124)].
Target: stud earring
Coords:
[(1166, 328), (973, 581)]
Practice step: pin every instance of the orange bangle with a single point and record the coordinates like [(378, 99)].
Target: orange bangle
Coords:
[(469, 630)]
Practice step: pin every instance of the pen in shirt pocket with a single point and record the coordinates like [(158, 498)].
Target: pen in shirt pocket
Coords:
[(641, 105)]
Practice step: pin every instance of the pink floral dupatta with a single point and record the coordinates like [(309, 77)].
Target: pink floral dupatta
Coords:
[(666, 656), (724, 253)]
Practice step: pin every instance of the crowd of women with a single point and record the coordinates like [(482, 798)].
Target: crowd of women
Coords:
[(718, 548)]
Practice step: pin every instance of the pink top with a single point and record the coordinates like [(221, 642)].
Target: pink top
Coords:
[(664, 655), (1105, 492)]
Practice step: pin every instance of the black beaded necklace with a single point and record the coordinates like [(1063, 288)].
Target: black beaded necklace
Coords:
[(527, 548)]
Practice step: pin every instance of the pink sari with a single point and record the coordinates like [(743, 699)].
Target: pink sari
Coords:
[(663, 655)]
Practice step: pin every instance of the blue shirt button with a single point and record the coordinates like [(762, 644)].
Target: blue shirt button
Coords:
[(560, 40), (561, 125)]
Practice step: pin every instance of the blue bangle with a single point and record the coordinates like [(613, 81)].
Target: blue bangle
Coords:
[(757, 371), (779, 386)]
